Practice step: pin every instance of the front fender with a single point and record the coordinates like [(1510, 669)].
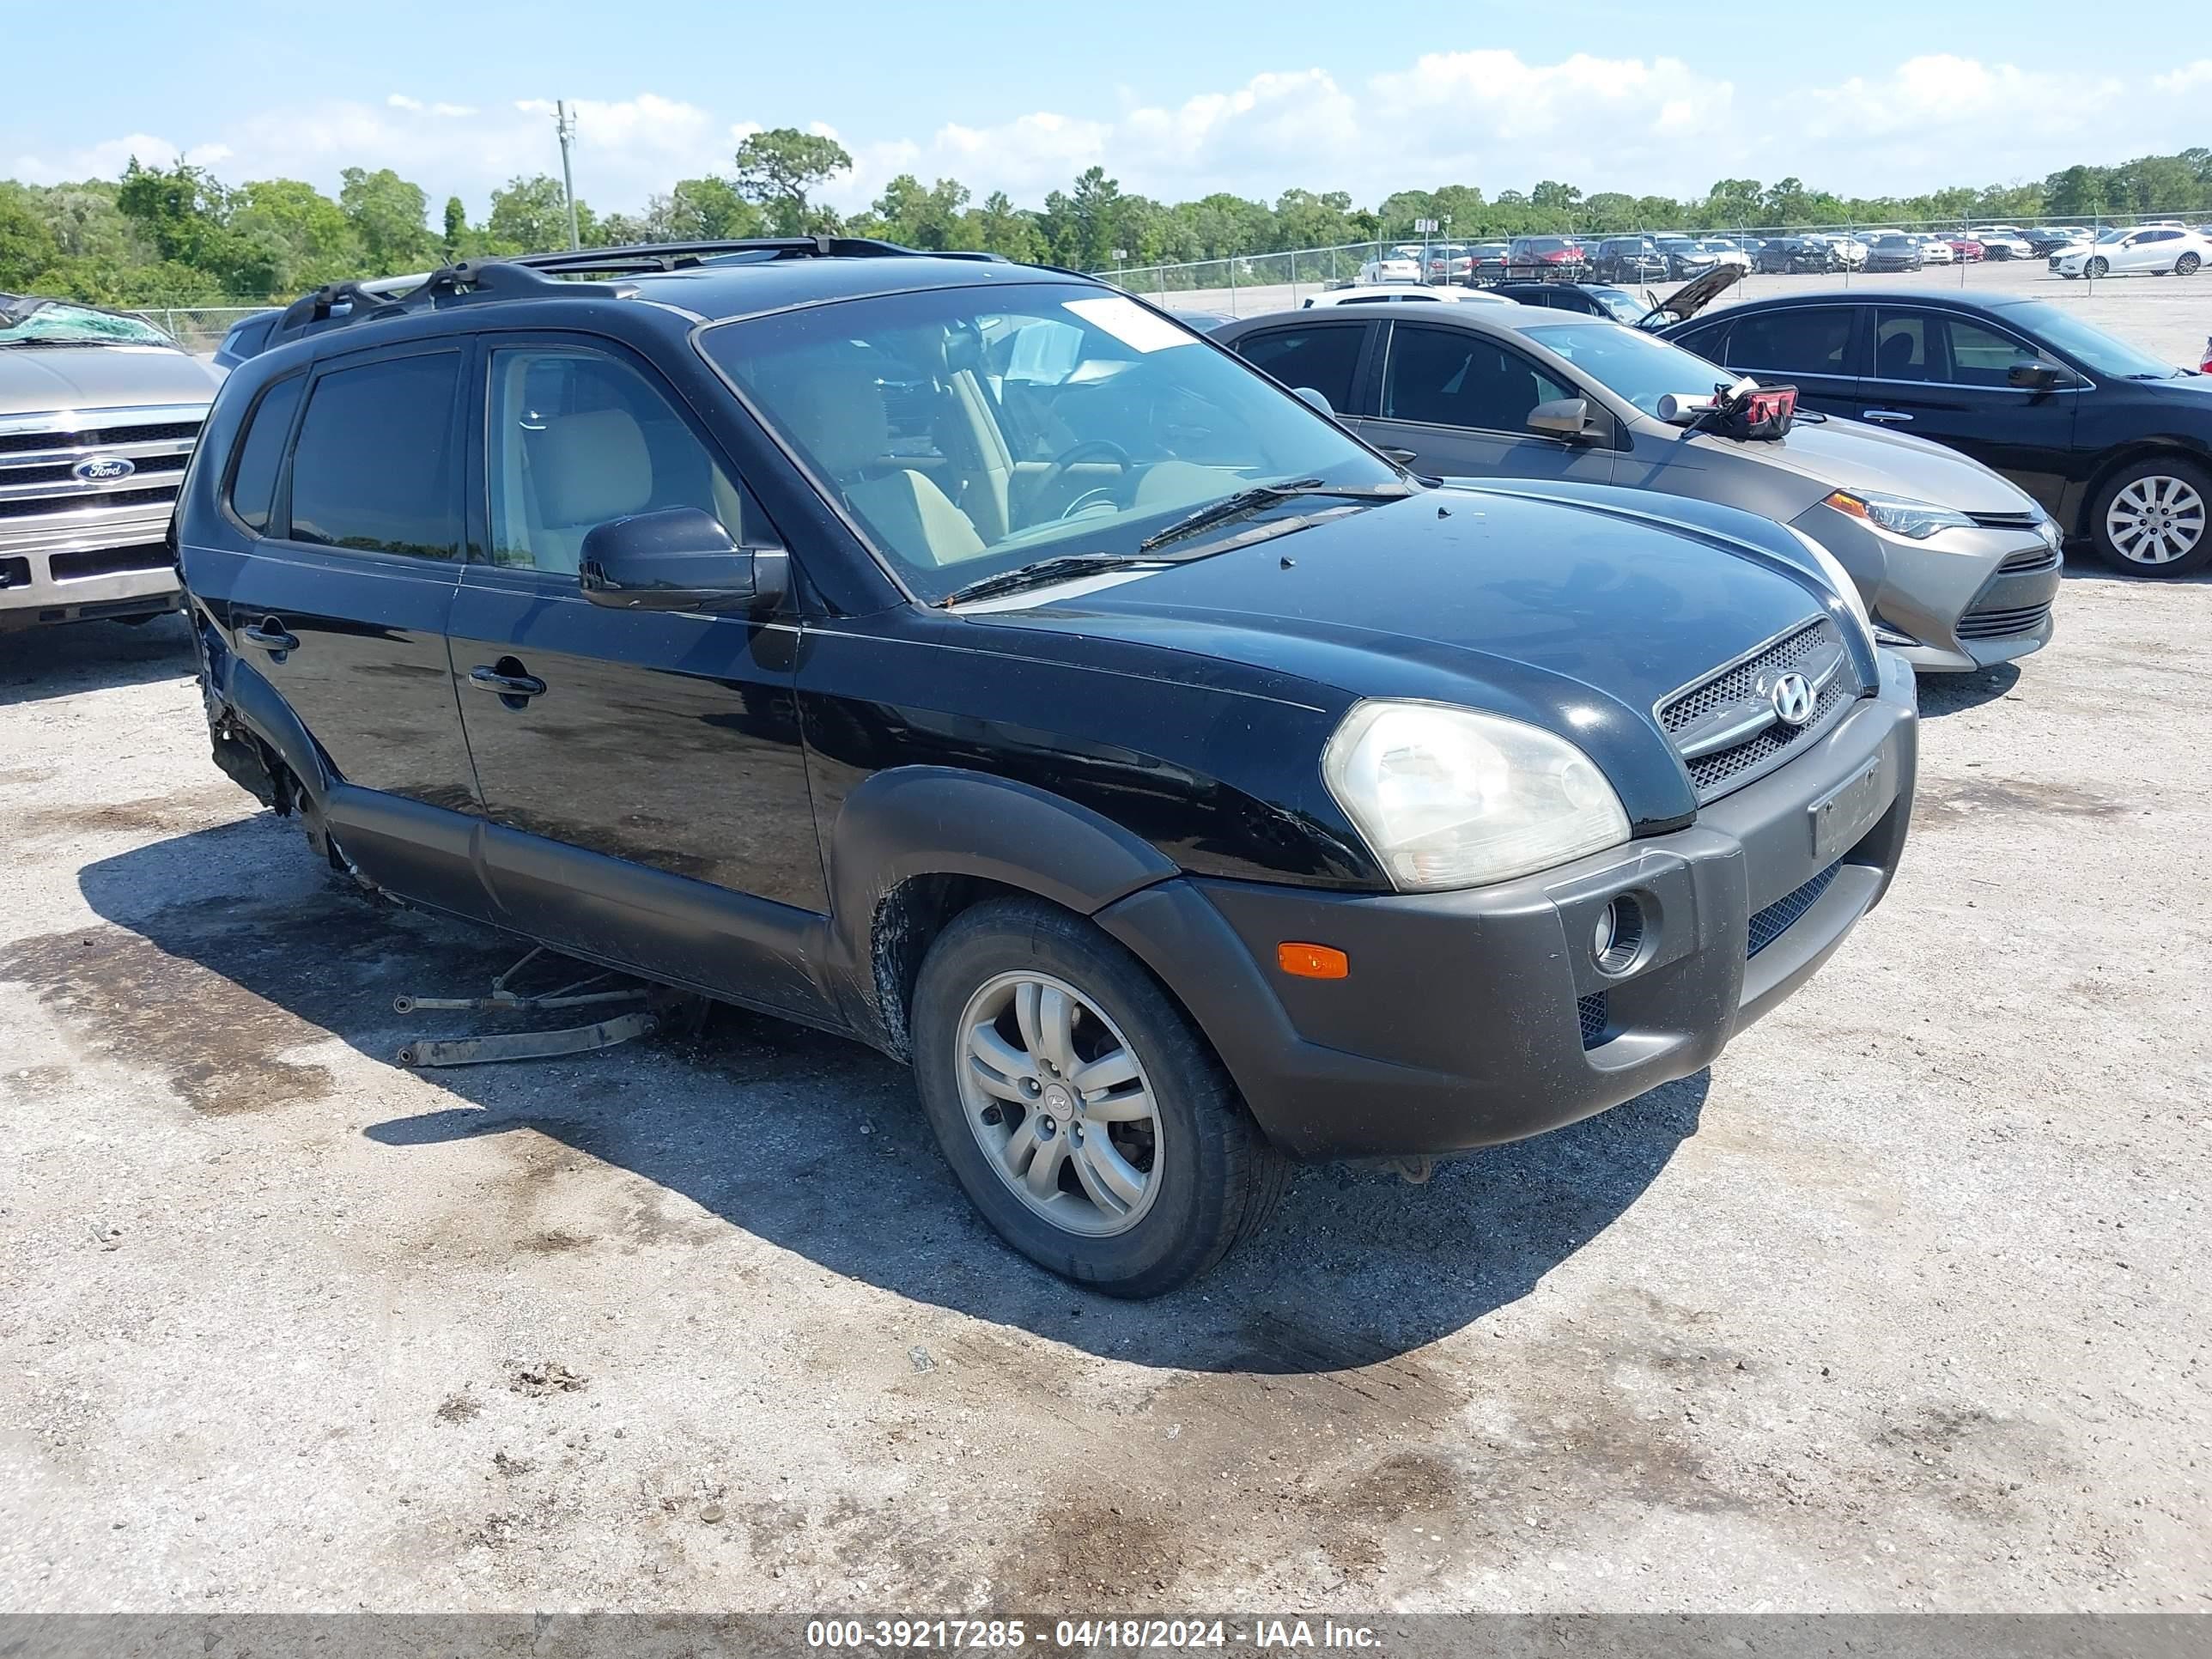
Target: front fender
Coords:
[(915, 821)]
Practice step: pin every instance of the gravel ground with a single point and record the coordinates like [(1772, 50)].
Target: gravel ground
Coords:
[(2168, 315), (1899, 1307)]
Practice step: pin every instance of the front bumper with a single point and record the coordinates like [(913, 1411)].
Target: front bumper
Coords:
[(1950, 596), (1474, 1017), (79, 566)]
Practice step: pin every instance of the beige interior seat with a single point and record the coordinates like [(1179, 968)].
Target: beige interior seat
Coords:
[(585, 469), (836, 413)]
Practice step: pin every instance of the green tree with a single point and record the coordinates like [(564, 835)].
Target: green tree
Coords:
[(999, 226), (390, 216), (306, 235), (26, 244), (707, 210), (531, 216), (776, 169), (917, 217), (457, 229)]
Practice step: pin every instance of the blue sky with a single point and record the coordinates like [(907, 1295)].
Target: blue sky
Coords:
[(1174, 99)]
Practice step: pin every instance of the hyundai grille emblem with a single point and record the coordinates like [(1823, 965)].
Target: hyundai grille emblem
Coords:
[(1793, 699), (102, 469)]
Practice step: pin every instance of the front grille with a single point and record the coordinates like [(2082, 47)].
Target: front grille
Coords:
[(1595, 1016), (2037, 559), (38, 505), (106, 437), (64, 472), (2003, 624), (1715, 774), (37, 469), (1776, 919)]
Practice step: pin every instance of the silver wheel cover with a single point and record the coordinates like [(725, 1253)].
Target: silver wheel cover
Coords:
[(2155, 520), (1059, 1104)]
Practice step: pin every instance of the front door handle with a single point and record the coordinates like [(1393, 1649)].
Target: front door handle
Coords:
[(270, 634), (1885, 417), (506, 685)]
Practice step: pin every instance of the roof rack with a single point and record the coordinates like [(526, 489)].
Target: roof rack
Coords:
[(540, 276)]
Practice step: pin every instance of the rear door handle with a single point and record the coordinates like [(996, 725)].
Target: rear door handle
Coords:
[(1885, 417), (269, 633), (507, 685)]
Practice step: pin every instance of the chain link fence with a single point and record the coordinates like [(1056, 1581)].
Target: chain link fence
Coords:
[(1957, 257), (198, 329)]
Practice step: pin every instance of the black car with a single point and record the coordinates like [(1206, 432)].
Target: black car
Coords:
[(1627, 259), (1794, 255), (1596, 298), (2114, 444), (247, 337), (1180, 784), (1895, 253)]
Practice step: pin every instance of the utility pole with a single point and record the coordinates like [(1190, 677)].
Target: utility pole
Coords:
[(567, 128)]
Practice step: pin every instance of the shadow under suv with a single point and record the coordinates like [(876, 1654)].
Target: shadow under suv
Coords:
[(970, 659)]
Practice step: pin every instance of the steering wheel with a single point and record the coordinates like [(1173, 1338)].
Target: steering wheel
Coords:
[(1052, 475)]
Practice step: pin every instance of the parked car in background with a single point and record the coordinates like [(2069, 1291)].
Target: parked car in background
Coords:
[(1627, 259), (1957, 563), (1399, 294), (1205, 322), (1967, 250), (98, 415), (2046, 240), (2004, 242), (1934, 250), (1787, 255), (1166, 790), (1399, 264), (1684, 258), (247, 337), (1596, 299), (1849, 251), (2112, 443), (1488, 259), (1896, 253), (1551, 259), (2141, 251), (1726, 252), (1449, 262)]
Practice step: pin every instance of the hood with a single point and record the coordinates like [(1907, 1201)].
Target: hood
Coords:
[(1574, 617), (1694, 296), (36, 378), (1833, 455)]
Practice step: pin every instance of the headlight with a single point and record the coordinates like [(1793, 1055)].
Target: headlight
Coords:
[(1449, 797), (1914, 521), (1839, 578)]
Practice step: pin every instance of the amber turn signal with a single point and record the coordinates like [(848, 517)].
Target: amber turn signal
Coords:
[(1312, 960)]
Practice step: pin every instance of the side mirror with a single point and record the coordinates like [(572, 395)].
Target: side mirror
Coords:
[(1563, 417), (1307, 395), (2034, 375), (677, 559)]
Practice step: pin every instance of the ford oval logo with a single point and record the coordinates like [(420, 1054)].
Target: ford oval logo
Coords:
[(103, 469), (1793, 699)]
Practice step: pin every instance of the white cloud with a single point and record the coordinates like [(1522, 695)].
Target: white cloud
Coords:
[(1490, 118)]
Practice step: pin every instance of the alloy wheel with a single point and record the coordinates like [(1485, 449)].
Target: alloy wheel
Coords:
[(2155, 521), (1060, 1103), (2187, 265), (2098, 267)]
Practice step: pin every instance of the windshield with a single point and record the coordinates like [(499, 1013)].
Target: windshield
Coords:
[(971, 430), (42, 322), (1631, 364), (1617, 305), (2088, 345)]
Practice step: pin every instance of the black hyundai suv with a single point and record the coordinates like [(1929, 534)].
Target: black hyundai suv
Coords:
[(971, 659)]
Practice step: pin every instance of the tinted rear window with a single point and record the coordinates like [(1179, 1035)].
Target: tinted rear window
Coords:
[(1322, 358), (1798, 340), (253, 485), (375, 468)]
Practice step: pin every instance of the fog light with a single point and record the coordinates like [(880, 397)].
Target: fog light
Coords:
[(1617, 940)]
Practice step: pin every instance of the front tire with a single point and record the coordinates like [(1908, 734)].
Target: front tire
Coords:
[(2151, 519), (1081, 1111), (2099, 266), (2188, 265)]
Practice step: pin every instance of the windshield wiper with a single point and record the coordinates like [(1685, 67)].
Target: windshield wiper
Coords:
[(1041, 573), (1260, 495)]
